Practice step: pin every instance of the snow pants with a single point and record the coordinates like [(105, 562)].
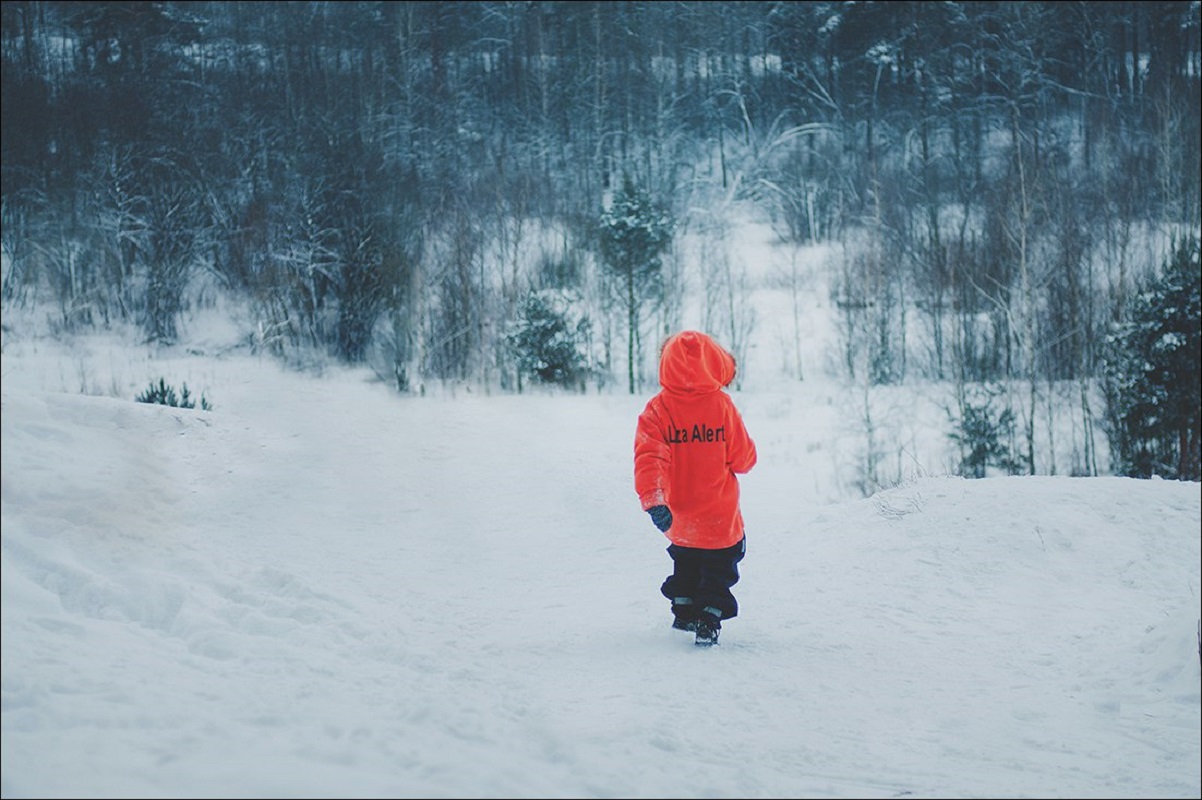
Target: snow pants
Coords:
[(703, 578)]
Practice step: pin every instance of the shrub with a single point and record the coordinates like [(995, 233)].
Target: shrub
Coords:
[(551, 338), (165, 395), (984, 432)]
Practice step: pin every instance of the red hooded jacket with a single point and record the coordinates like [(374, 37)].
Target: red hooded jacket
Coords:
[(690, 443)]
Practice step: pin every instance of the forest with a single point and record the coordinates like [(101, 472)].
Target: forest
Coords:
[(491, 193)]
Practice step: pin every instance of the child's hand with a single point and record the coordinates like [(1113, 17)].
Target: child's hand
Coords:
[(661, 516)]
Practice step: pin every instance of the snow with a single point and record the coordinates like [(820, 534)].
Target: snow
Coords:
[(320, 588)]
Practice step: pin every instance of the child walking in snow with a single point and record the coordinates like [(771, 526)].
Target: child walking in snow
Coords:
[(689, 446)]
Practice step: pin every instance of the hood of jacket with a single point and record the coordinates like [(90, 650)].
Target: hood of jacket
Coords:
[(692, 362)]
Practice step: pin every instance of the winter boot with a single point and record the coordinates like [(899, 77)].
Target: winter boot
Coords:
[(684, 614), (680, 623), (709, 624)]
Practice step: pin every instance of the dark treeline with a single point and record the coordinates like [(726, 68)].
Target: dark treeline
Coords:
[(371, 177)]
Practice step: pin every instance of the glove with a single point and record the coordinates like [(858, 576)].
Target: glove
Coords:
[(661, 516)]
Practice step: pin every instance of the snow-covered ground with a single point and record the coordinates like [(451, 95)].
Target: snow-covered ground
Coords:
[(322, 589)]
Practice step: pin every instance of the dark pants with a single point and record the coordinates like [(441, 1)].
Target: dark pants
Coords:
[(702, 578)]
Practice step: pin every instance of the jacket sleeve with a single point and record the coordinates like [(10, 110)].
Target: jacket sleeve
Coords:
[(741, 454), (652, 460)]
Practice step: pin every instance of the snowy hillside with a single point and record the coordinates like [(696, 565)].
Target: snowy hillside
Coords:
[(320, 588)]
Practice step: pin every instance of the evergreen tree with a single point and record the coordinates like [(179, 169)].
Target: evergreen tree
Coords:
[(1153, 375), (551, 339), (634, 234), (984, 433)]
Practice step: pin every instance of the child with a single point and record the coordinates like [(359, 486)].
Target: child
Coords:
[(689, 446)]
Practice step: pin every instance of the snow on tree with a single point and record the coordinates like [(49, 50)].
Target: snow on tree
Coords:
[(552, 338), (1153, 376), (634, 233)]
